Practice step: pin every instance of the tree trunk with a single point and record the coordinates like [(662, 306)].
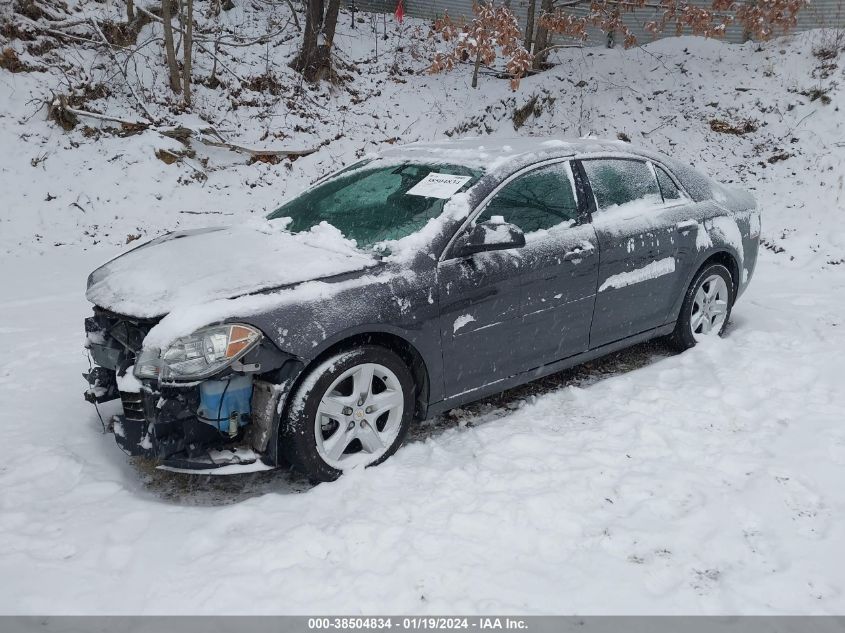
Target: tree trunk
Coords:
[(313, 23), (180, 32), (314, 60), (170, 50), (475, 69), (529, 25), (189, 45), (130, 10), (541, 42), (330, 23)]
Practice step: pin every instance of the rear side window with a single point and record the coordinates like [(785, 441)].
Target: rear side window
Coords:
[(668, 187), (618, 181), (538, 200)]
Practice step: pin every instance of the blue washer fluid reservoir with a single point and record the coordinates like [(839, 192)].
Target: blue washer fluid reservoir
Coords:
[(216, 408)]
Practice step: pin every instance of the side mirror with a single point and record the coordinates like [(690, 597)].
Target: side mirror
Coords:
[(493, 235)]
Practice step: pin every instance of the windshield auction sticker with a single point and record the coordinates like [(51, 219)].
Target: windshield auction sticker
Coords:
[(438, 185)]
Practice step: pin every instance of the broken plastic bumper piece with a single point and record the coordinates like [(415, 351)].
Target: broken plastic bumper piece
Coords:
[(198, 427)]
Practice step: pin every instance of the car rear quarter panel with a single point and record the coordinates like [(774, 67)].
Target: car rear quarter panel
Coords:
[(739, 207), (719, 230)]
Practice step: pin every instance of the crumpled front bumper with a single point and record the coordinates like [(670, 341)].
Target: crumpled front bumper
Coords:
[(221, 423), (158, 424), (161, 424), (185, 447)]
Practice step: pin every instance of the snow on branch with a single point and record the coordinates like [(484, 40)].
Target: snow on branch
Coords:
[(59, 110), (493, 32)]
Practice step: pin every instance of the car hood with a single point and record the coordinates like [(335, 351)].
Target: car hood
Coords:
[(191, 267)]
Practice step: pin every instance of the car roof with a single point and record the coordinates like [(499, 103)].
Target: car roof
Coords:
[(493, 153), (499, 157)]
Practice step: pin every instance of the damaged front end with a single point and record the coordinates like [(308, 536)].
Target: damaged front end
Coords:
[(206, 401)]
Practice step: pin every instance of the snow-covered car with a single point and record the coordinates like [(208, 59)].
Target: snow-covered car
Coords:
[(412, 282)]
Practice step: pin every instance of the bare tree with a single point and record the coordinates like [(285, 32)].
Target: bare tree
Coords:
[(529, 25), (314, 59), (541, 40), (188, 46), (169, 48)]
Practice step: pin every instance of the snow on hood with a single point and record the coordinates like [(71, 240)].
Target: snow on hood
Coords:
[(192, 267)]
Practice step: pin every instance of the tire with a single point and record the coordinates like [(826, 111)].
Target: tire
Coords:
[(689, 327), (354, 428)]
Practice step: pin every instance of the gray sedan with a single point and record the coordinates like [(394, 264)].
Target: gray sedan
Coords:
[(412, 282)]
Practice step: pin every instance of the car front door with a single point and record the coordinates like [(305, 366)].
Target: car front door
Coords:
[(639, 236), (559, 267), (479, 318)]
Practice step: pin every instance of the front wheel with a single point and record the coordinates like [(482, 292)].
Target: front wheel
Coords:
[(352, 410), (707, 307)]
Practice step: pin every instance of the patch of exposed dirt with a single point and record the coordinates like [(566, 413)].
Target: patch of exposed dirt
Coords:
[(738, 129), (817, 94), (10, 61), (268, 82), (535, 107)]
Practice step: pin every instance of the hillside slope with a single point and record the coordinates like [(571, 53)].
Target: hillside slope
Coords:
[(106, 186)]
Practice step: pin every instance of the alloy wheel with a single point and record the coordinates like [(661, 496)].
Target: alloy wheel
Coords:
[(359, 416), (709, 307)]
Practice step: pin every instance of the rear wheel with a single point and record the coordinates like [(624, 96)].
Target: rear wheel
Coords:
[(352, 410), (707, 307)]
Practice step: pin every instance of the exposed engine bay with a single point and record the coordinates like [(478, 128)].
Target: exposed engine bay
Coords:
[(229, 419)]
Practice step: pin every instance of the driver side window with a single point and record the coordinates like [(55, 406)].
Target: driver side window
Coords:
[(541, 199)]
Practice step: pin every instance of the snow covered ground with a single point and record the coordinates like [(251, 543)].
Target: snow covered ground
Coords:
[(706, 482)]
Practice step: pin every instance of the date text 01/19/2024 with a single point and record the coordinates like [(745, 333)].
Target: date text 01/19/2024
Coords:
[(417, 623)]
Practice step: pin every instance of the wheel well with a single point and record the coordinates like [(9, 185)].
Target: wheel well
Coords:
[(727, 260), (407, 352)]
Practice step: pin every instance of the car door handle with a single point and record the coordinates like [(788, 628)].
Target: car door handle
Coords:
[(578, 253), (686, 226)]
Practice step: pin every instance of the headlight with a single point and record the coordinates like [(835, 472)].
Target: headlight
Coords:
[(200, 355)]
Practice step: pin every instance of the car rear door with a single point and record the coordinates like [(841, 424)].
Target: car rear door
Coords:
[(640, 236), (559, 267)]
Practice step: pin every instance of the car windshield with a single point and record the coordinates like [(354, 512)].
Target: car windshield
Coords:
[(375, 203)]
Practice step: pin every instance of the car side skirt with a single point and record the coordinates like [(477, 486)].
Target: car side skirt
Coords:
[(436, 408)]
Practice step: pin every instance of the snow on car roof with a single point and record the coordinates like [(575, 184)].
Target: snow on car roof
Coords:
[(491, 153), (501, 156)]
